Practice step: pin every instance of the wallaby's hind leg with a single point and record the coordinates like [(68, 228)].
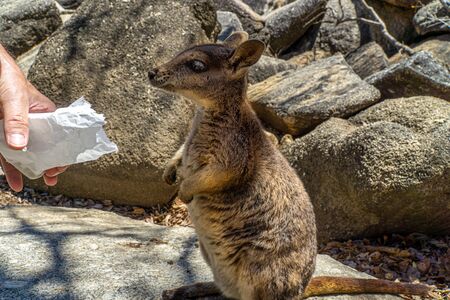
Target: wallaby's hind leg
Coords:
[(203, 290)]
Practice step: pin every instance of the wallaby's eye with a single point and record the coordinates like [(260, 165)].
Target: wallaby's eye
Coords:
[(197, 66)]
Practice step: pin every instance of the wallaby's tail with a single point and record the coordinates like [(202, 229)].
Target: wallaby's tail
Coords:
[(328, 285)]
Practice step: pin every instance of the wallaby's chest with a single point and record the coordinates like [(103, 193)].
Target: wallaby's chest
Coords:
[(211, 140)]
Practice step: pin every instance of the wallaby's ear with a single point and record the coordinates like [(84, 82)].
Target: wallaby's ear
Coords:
[(247, 54), (235, 39)]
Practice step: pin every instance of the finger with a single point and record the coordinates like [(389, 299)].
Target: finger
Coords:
[(39, 102), (50, 181), (15, 112), (55, 171), (13, 176)]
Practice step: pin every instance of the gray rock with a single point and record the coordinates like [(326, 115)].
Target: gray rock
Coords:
[(63, 253), (229, 23), (104, 53), (432, 18), (288, 23), (385, 170), (25, 23), (258, 6), (251, 21), (368, 59), (336, 36), (70, 3), (268, 66), (438, 46), (418, 75), (295, 101)]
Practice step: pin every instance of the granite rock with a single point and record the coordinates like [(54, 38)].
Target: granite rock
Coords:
[(104, 52), (295, 101), (24, 23), (63, 253)]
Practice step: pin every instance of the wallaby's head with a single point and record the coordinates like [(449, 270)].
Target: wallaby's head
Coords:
[(204, 73)]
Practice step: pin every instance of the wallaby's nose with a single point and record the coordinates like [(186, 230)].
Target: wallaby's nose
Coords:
[(152, 74)]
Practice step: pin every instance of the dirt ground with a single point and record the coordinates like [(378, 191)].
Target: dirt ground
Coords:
[(408, 258)]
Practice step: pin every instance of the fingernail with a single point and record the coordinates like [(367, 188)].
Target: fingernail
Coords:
[(16, 140)]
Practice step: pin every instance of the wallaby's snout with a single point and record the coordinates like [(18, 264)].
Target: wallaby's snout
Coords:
[(158, 78)]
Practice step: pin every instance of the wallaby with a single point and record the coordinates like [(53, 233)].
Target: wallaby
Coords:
[(254, 220)]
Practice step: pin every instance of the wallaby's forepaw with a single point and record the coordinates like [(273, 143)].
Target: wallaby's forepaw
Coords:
[(185, 197), (170, 174)]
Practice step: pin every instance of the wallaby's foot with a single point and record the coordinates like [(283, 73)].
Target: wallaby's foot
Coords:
[(170, 174), (194, 291)]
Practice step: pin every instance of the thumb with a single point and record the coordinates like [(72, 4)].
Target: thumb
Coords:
[(15, 118)]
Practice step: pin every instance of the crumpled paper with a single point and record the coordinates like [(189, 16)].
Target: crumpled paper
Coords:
[(67, 136)]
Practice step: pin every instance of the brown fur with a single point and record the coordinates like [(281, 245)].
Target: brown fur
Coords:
[(253, 217)]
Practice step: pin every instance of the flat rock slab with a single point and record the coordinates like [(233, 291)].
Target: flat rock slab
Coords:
[(368, 59), (419, 75), (25, 23), (295, 101), (64, 253)]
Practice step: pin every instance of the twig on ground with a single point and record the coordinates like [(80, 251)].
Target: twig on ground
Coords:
[(384, 30), (377, 22)]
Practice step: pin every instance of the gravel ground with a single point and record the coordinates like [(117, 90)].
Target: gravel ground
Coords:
[(409, 258), (172, 214)]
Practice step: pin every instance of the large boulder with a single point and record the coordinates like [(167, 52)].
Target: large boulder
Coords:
[(295, 101), (432, 18), (385, 170), (104, 53), (62, 253), (25, 23), (418, 75)]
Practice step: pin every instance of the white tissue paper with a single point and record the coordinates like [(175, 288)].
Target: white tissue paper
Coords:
[(67, 136)]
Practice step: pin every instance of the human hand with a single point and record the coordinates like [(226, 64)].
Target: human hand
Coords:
[(18, 97)]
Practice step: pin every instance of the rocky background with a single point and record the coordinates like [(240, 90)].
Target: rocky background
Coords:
[(357, 91)]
